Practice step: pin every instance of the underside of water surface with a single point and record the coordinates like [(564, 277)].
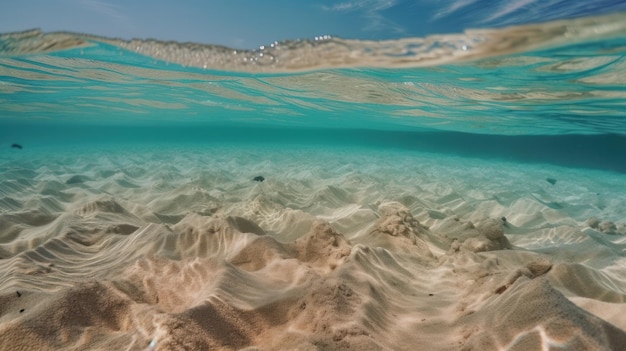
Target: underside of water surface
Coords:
[(452, 192)]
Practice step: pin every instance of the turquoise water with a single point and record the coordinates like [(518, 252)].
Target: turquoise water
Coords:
[(450, 192), (554, 92)]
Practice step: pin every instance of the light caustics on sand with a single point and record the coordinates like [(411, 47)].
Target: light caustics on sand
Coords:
[(123, 227), (184, 250)]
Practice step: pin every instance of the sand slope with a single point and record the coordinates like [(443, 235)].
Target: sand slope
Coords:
[(183, 251)]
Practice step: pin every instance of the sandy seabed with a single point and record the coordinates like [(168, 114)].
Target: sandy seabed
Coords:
[(335, 250)]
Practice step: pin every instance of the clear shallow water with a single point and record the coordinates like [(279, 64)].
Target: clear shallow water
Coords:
[(490, 188), (449, 167), (547, 93)]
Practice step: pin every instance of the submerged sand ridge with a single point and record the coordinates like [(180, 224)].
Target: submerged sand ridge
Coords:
[(333, 251)]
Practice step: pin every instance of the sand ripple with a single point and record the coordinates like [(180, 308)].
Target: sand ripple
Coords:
[(128, 252)]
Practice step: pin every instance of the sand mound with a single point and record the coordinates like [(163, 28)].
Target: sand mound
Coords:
[(534, 316), (133, 253)]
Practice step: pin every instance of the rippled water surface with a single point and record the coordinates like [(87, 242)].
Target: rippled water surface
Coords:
[(554, 78), (459, 191)]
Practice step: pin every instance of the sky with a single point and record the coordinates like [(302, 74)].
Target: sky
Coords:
[(248, 24)]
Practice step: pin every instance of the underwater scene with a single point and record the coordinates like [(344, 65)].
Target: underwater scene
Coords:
[(442, 192)]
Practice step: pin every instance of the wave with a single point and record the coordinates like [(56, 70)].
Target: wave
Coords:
[(326, 52)]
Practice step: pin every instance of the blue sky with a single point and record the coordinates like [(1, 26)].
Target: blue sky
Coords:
[(251, 23)]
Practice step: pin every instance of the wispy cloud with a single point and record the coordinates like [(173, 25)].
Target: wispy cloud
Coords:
[(106, 9), (507, 9), (453, 7), (365, 5), (371, 10)]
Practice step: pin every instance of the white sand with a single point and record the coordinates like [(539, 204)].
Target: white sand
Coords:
[(336, 250)]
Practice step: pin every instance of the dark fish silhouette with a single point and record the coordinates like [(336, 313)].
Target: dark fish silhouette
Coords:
[(17, 146), (551, 180), (258, 179)]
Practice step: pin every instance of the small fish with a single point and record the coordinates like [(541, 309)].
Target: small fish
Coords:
[(258, 179), (551, 180), (19, 294), (17, 146)]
